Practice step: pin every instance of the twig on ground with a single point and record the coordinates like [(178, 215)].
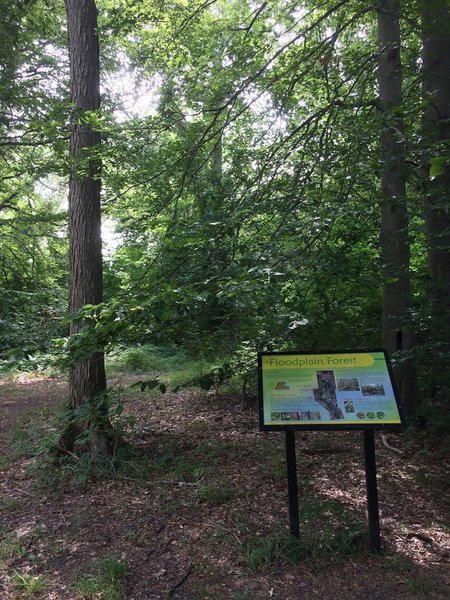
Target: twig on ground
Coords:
[(388, 446), (179, 583), (72, 454), (169, 541), (220, 526), (180, 483)]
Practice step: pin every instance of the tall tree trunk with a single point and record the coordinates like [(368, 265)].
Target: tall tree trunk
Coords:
[(87, 378), (436, 137), (398, 337)]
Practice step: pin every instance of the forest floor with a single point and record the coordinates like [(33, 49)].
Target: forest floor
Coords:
[(197, 509)]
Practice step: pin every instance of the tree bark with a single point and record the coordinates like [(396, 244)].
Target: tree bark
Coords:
[(398, 337), (87, 378), (436, 139)]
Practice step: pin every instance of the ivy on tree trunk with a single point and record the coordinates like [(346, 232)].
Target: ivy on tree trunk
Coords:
[(87, 379)]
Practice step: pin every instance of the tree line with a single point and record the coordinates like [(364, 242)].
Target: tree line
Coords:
[(284, 185)]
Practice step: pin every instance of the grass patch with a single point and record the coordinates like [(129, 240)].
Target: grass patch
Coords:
[(13, 546), (108, 581), (176, 364), (31, 439), (245, 595), (172, 461), (270, 552), (185, 469), (272, 458), (425, 586), (10, 546), (28, 584), (241, 596), (224, 536), (327, 534), (438, 482), (10, 504), (211, 494), (214, 450), (22, 441), (204, 592), (179, 463)]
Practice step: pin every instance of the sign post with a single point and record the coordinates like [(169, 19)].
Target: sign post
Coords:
[(372, 492), (291, 462), (329, 391)]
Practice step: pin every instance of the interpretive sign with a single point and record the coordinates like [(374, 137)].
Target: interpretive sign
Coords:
[(347, 390), (329, 390)]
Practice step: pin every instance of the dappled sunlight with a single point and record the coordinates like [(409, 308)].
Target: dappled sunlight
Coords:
[(203, 497), (214, 215)]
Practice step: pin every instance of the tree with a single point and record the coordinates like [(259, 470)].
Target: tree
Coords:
[(33, 261), (436, 139), (87, 379), (287, 144), (398, 337)]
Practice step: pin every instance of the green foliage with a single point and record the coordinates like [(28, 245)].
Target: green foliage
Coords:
[(215, 495), (429, 430), (245, 194), (438, 165), (425, 586), (31, 439), (327, 533), (272, 457), (10, 546), (107, 581), (439, 482), (10, 504), (32, 278), (148, 358), (105, 415), (186, 469), (28, 583), (241, 596)]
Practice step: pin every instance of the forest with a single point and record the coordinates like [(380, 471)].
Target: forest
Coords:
[(186, 184)]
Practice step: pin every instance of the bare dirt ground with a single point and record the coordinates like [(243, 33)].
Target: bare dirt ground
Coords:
[(199, 510)]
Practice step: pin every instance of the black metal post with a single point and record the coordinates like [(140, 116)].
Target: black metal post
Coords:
[(294, 521), (372, 492)]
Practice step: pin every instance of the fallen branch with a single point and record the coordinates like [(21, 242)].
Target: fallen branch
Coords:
[(180, 483), (179, 583), (421, 536), (61, 449), (220, 526), (166, 545), (388, 446)]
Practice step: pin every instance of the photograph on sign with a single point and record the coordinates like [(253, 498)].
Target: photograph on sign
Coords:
[(327, 390)]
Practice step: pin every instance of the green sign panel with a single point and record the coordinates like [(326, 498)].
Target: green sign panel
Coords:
[(347, 390)]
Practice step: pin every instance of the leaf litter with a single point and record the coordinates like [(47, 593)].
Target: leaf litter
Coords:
[(200, 512)]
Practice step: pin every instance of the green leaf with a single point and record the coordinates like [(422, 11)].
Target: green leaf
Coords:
[(143, 385), (11, 352), (438, 165)]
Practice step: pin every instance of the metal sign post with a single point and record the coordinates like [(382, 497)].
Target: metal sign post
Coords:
[(372, 492), (291, 461)]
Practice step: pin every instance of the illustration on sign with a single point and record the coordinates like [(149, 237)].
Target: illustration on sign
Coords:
[(327, 390)]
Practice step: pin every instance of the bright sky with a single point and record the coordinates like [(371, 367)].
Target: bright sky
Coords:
[(137, 97)]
